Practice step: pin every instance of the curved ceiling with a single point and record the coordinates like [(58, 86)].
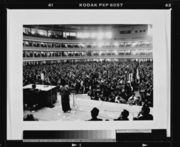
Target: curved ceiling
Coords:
[(77, 27)]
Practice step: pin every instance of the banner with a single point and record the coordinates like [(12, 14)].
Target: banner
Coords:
[(137, 74), (42, 76)]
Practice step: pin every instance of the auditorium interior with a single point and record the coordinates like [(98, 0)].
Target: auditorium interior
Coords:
[(106, 66)]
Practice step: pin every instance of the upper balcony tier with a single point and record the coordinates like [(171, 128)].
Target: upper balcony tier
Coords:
[(25, 48), (51, 40)]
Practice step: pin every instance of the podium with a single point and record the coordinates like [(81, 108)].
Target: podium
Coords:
[(47, 94)]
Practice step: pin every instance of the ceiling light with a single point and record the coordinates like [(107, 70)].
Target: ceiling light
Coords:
[(93, 35), (100, 44), (116, 44), (100, 35), (108, 35)]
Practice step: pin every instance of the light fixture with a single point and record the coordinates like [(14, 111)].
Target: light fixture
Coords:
[(100, 35), (116, 44), (72, 34), (107, 44), (94, 44), (86, 35), (100, 44), (108, 35), (80, 35), (41, 32), (93, 35)]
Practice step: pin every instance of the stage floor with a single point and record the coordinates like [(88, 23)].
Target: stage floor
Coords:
[(82, 112)]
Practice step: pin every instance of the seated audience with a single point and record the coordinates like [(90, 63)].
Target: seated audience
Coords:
[(117, 99), (144, 114), (112, 81), (94, 114), (133, 99), (123, 116)]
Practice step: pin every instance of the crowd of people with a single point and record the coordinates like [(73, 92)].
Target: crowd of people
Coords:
[(53, 36), (79, 45), (124, 81), (144, 114), (71, 45), (53, 54)]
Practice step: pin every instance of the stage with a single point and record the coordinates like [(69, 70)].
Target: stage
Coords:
[(82, 112)]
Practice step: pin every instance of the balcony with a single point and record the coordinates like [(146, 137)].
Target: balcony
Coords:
[(26, 48), (86, 57), (51, 40)]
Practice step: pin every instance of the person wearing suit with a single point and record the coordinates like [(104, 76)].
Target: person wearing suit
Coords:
[(34, 97)]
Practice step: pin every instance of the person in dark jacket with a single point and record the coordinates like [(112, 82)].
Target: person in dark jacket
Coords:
[(124, 115), (144, 114), (94, 114), (65, 92), (34, 97)]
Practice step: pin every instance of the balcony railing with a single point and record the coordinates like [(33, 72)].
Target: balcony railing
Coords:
[(87, 57), (83, 49), (51, 40)]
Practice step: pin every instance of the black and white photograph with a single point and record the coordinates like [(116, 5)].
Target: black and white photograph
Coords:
[(97, 72), (88, 70)]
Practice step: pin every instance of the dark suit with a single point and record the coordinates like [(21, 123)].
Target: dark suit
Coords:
[(95, 119), (34, 97), (65, 100), (146, 117), (120, 118)]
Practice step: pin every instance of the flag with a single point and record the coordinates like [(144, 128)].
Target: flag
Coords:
[(130, 78), (137, 74), (42, 76)]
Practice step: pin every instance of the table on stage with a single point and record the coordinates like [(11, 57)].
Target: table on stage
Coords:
[(48, 93)]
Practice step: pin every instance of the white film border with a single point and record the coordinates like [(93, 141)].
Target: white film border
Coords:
[(18, 18)]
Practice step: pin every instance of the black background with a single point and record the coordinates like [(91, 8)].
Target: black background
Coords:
[(174, 140)]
